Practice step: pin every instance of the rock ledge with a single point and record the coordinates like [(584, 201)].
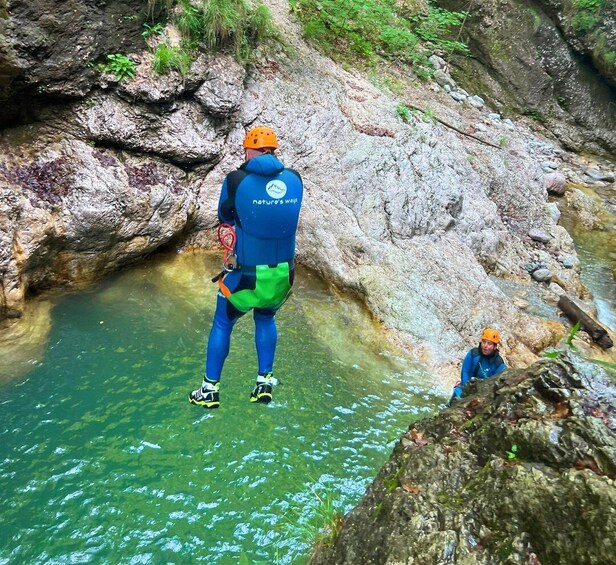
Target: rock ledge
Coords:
[(521, 470)]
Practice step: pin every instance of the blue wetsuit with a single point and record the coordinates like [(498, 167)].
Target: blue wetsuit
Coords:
[(476, 365), (262, 199)]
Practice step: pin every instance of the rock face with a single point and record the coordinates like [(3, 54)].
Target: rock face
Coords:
[(48, 47), (552, 60), (412, 217), (71, 212), (507, 475)]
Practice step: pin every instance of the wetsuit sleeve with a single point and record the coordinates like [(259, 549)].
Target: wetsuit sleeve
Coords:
[(465, 376), (467, 369), (226, 205)]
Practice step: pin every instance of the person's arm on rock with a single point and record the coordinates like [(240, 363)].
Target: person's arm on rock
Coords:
[(465, 376)]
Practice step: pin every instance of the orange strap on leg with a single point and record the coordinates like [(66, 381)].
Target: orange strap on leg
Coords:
[(223, 288)]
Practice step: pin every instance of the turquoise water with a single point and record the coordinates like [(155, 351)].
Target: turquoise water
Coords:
[(596, 250), (103, 460)]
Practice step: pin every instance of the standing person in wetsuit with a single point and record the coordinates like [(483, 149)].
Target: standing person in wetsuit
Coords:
[(262, 200), (481, 362)]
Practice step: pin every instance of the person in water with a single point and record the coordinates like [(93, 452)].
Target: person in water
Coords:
[(481, 362), (262, 200)]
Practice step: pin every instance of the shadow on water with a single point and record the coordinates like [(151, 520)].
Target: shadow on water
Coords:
[(102, 459)]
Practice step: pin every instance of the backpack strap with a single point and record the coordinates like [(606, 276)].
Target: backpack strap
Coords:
[(475, 353)]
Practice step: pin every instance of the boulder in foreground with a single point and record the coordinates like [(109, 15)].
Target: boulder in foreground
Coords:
[(521, 470)]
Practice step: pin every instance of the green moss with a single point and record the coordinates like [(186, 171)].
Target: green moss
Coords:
[(392, 482), (537, 19), (377, 511), (498, 47), (471, 421), (454, 501), (503, 551), (602, 49), (477, 483)]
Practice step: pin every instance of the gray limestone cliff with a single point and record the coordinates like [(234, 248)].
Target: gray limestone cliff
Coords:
[(554, 60), (417, 219)]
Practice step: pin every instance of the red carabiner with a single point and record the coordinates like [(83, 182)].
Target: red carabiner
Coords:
[(227, 238)]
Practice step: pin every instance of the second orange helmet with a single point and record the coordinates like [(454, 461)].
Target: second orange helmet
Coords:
[(491, 335)]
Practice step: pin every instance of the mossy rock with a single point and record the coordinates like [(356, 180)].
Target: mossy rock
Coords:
[(457, 492)]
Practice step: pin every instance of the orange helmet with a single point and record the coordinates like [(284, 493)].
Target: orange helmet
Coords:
[(491, 335), (260, 138)]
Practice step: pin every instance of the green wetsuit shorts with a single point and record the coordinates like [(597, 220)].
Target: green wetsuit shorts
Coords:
[(263, 286)]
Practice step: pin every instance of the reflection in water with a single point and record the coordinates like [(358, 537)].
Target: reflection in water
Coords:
[(23, 341), (597, 253), (102, 459)]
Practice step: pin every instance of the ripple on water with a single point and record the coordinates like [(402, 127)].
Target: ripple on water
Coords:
[(114, 465)]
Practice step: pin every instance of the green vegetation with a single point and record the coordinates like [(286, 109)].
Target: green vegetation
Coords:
[(602, 49), (429, 117), (119, 65), (451, 500), (392, 482), (584, 22), (562, 102), (329, 521), (551, 354), (588, 5), (323, 527), (152, 30), (394, 85), (535, 116), (537, 19), (404, 112), (586, 16), (168, 58), (512, 454), (607, 364), (364, 31), (234, 26), (574, 331)]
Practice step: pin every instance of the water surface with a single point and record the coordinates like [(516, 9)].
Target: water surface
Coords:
[(596, 250), (103, 460)]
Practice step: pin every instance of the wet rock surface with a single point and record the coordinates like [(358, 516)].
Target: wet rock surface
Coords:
[(520, 470), (542, 61), (48, 48), (418, 216), (72, 212)]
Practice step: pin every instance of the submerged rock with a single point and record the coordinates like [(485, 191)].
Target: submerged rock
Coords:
[(521, 470)]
